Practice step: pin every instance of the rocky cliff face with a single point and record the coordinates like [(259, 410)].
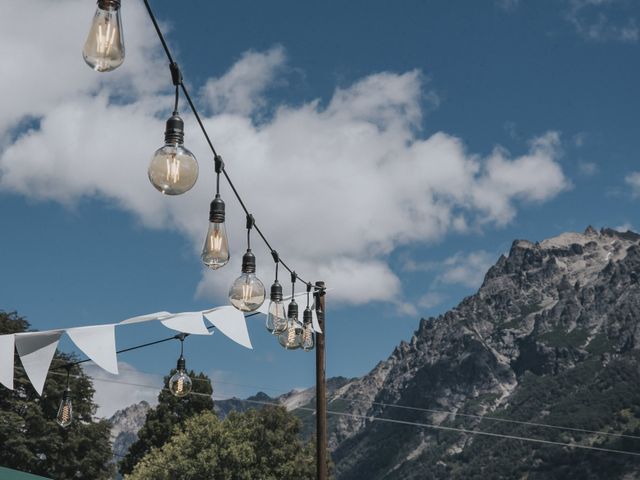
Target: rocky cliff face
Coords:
[(125, 424), (561, 314)]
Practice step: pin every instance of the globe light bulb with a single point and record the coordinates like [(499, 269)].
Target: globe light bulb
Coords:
[(104, 48), (65, 417), (277, 315), (291, 337), (308, 336), (180, 384), (173, 169), (247, 293), (215, 253)]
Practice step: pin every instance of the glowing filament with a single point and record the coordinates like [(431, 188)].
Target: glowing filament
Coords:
[(215, 241), (307, 335), (173, 169), (247, 292), (291, 338), (66, 414), (180, 385), (104, 40)]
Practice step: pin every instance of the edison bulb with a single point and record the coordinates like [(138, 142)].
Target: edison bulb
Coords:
[(215, 253), (65, 412), (308, 336), (104, 48), (277, 315), (291, 337), (247, 293), (173, 170), (180, 384)]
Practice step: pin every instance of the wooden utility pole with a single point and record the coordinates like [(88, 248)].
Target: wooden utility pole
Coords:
[(321, 387)]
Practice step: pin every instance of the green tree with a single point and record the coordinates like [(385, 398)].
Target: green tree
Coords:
[(258, 444), (169, 412), (31, 439)]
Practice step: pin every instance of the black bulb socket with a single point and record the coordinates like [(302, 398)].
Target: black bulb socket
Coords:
[(216, 210), (292, 310), (109, 5), (307, 317), (182, 364), (276, 291), (248, 262), (66, 395), (174, 131)]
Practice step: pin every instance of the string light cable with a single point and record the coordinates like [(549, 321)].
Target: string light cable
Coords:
[(374, 418), (219, 164)]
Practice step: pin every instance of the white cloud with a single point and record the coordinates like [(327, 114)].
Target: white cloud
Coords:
[(588, 168), (335, 188), (115, 392), (633, 180), (592, 19), (625, 227), (431, 299), (467, 269)]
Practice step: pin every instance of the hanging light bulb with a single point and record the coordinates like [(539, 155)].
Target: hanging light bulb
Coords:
[(215, 253), (277, 315), (291, 337), (180, 384), (104, 48), (173, 169), (247, 293), (65, 411), (308, 336)]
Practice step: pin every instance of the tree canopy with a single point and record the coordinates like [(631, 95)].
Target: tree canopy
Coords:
[(257, 444), (31, 439), (162, 419)]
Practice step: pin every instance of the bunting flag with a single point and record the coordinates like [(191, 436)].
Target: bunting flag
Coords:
[(36, 351), (230, 322), (6, 358), (98, 342)]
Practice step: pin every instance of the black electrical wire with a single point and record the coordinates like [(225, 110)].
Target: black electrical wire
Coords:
[(144, 345), (177, 79)]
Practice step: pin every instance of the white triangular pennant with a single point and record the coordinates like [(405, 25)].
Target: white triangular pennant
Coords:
[(187, 322), (314, 319), (146, 318), (230, 322), (98, 343), (36, 350), (7, 343)]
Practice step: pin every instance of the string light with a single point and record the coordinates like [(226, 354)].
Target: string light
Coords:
[(308, 336), (291, 337), (247, 293), (215, 253), (277, 317), (180, 383), (104, 48), (65, 411)]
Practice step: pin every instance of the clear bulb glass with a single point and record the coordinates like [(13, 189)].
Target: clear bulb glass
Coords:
[(173, 169), (215, 253), (291, 337), (65, 412), (276, 318), (104, 49), (247, 293), (308, 338), (180, 384)]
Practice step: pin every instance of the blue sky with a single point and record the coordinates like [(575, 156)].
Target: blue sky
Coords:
[(393, 151)]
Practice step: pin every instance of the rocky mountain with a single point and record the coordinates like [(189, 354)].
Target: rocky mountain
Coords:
[(125, 424), (551, 337)]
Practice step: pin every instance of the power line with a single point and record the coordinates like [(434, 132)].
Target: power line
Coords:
[(452, 413), (374, 418)]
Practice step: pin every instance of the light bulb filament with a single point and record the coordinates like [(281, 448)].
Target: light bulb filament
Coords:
[(105, 40), (215, 241), (291, 338), (173, 169), (247, 291), (180, 385)]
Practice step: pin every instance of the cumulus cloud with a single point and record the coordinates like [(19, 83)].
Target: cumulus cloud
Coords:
[(633, 180), (336, 186), (467, 269), (115, 392), (597, 20)]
